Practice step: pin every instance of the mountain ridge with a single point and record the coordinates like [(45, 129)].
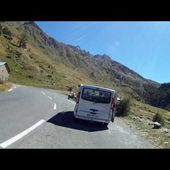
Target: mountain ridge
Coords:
[(59, 65)]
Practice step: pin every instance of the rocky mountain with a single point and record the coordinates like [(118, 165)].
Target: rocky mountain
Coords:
[(44, 61), (161, 96)]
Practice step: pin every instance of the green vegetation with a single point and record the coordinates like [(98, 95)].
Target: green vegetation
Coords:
[(158, 118), (7, 33), (123, 107), (23, 40), (161, 97), (147, 111)]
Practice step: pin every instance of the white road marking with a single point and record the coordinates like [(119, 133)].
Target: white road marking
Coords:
[(50, 98), (71, 102), (42, 92), (55, 106), (12, 88), (20, 135)]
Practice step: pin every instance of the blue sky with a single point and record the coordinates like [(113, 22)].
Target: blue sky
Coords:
[(142, 46)]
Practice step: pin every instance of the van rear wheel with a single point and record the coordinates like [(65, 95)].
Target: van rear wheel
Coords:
[(106, 124), (113, 120)]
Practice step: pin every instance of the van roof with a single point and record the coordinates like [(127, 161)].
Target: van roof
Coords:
[(88, 85)]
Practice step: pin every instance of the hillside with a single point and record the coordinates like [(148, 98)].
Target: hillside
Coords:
[(161, 97), (45, 62)]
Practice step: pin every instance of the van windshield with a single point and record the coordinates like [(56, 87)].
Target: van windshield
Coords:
[(96, 95)]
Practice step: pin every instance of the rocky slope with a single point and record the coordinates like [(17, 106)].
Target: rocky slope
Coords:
[(46, 62)]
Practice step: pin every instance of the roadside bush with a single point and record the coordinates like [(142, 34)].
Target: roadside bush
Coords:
[(7, 33), (30, 76), (70, 89), (123, 107), (158, 118)]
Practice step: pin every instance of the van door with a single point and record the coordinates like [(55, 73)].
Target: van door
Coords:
[(95, 103)]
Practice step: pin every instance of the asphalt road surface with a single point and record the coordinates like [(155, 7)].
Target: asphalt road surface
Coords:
[(42, 118)]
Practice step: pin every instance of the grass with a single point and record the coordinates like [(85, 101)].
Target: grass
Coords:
[(147, 111), (158, 118), (141, 110)]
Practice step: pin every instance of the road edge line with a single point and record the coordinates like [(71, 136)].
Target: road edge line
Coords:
[(20, 135), (55, 106), (10, 90)]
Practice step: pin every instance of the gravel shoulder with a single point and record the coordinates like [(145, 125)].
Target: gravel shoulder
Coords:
[(159, 138)]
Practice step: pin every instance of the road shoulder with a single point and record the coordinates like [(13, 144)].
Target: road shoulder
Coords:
[(157, 137)]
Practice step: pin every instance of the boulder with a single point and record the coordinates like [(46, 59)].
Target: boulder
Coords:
[(134, 117), (156, 125)]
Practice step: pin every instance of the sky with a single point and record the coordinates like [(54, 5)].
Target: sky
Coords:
[(142, 46)]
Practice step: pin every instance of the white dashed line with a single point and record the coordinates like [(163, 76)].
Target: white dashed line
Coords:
[(50, 98), (10, 90), (55, 106), (42, 92), (20, 135)]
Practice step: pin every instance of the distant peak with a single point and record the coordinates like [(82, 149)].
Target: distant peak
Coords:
[(29, 22), (32, 23), (104, 56)]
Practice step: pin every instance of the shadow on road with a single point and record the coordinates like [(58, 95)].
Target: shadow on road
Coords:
[(67, 119)]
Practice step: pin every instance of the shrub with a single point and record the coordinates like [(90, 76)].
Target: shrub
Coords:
[(123, 107), (49, 75), (158, 118), (30, 76), (7, 33), (23, 40), (70, 88)]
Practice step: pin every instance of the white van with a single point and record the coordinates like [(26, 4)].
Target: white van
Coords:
[(95, 104)]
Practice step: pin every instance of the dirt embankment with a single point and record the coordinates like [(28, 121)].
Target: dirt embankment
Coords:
[(5, 86)]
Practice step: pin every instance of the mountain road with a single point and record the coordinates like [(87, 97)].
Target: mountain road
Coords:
[(43, 118)]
